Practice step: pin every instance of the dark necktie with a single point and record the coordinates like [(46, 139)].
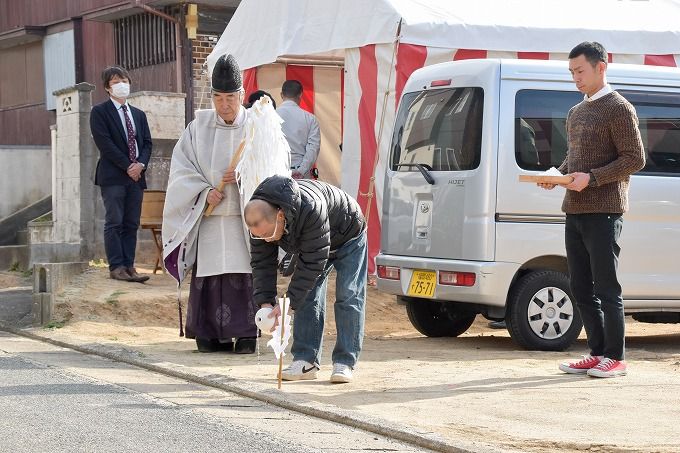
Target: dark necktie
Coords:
[(132, 149)]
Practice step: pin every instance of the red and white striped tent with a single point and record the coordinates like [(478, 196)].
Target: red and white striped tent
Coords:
[(354, 57)]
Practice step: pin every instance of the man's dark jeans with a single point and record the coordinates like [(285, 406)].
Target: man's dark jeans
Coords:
[(592, 242), (123, 205)]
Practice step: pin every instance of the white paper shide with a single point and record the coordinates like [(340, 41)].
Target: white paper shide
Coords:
[(552, 171), (279, 342)]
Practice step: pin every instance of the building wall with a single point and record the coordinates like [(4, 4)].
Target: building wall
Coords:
[(94, 48), (19, 13), (28, 168), (22, 83), (14, 121), (21, 75), (22, 96), (201, 48), (96, 55), (24, 116), (165, 114)]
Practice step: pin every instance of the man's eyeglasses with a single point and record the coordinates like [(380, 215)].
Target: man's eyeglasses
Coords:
[(269, 238)]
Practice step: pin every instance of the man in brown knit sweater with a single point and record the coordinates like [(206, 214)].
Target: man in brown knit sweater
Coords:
[(605, 148)]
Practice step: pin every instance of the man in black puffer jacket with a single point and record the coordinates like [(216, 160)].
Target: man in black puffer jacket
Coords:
[(324, 226)]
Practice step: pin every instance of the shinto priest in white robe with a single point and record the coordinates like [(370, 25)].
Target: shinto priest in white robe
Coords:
[(216, 246), (220, 306)]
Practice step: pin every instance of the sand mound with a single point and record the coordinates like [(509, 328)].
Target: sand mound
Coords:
[(93, 299)]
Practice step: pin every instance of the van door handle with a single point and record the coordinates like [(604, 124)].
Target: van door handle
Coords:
[(423, 168)]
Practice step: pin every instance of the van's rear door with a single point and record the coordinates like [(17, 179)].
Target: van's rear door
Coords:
[(439, 197)]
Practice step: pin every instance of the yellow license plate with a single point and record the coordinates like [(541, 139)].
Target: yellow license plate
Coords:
[(422, 284)]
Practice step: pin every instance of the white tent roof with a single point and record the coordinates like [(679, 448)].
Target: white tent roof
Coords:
[(263, 30)]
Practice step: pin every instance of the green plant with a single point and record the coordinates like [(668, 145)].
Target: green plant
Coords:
[(54, 325), (113, 297), (14, 267), (27, 273), (44, 218)]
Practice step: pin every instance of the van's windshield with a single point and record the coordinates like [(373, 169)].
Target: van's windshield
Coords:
[(439, 128)]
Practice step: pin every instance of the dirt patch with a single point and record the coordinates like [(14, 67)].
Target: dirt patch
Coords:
[(9, 279), (93, 296), (93, 299), (97, 304)]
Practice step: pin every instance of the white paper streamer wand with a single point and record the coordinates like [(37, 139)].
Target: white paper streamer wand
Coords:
[(266, 152), (284, 310), (281, 334)]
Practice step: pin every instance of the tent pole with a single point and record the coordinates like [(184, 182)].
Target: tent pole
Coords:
[(371, 185)]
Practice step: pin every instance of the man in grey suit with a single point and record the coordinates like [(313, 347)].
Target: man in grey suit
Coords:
[(301, 130)]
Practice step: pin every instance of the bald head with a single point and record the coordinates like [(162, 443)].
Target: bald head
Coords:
[(256, 210), (264, 220)]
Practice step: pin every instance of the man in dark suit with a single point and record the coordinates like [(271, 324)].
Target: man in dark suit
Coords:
[(122, 135)]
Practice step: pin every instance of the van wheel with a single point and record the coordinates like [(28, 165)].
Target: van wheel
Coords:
[(437, 319), (542, 314)]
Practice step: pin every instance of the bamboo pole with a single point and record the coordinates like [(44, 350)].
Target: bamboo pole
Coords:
[(232, 166), (283, 332)]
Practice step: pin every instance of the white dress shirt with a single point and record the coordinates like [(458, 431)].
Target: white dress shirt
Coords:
[(122, 119), (238, 121), (304, 137), (605, 90)]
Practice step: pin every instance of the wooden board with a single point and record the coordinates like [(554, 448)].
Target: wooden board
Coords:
[(546, 179), (152, 208)]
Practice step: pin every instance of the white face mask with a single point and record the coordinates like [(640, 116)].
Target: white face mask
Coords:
[(276, 229), (120, 90)]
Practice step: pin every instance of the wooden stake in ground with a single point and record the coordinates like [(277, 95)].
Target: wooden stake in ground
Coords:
[(283, 332), (232, 166)]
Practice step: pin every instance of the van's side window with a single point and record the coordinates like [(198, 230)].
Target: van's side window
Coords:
[(540, 127), (440, 128), (659, 115)]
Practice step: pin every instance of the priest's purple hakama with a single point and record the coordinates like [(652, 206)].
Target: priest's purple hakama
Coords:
[(221, 307)]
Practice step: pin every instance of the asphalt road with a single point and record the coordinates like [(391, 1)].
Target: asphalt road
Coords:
[(54, 399), (15, 306)]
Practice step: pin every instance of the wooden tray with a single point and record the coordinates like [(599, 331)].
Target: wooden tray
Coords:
[(546, 179)]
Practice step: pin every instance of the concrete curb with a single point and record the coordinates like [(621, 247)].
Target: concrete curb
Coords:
[(266, 395), (16, 289)]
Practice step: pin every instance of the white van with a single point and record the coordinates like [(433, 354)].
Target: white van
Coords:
[(461, 236)]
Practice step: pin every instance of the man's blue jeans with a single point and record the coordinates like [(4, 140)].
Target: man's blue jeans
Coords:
[(350, 262)]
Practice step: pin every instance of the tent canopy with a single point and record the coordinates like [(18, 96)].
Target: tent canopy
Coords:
[(360, 35), (263, 30)]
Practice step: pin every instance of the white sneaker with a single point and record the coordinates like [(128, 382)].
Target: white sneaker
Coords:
[(341, 373), (299, 370)]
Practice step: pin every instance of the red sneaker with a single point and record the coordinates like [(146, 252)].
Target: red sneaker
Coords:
[(581, 366), (608, 368)]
